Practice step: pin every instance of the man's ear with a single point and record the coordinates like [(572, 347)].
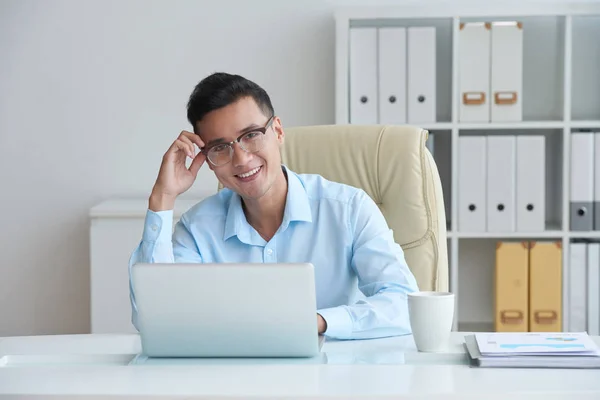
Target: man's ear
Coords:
[(278, 128)]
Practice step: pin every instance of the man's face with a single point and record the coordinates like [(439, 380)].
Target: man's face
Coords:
[(251, 175)]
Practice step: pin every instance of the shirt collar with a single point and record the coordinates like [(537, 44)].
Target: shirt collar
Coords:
[(235, 217), (297, 203), (297, 208)]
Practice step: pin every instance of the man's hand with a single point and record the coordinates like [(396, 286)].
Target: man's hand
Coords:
[(174, 177), (321, 324)]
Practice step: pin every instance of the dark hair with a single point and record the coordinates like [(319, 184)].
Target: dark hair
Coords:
[(221, 89)]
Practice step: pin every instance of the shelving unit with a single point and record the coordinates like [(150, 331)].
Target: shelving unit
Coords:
[(560, 95)]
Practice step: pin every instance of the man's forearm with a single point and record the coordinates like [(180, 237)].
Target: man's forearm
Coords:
[(383, 314)]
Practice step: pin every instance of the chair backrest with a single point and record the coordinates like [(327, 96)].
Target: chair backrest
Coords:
[(393, 166)]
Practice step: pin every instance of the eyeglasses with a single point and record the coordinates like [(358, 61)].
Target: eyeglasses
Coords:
[(251, 142)]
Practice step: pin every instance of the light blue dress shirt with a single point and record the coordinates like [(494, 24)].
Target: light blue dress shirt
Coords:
[(361, 276)]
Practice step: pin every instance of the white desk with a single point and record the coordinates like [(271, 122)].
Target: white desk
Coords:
[(94, 366)]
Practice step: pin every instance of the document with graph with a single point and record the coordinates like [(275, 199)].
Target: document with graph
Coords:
[(536, 343), (532, 350)]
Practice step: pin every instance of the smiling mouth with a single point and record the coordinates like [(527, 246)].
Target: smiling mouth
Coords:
[(249, 173)]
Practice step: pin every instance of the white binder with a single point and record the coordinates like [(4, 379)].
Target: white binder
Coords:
[(531, 183), (593, 289), (577, 287), (421, 74), (363, 76), (472, 176), (507, 71), (501, 183), (474, 72), (392, 75), (582, 181), (597, 181)]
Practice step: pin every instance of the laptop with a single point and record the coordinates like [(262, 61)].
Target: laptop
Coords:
[(226, 310)]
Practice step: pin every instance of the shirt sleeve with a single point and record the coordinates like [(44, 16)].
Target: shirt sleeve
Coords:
[(383, 277), (162, 244)]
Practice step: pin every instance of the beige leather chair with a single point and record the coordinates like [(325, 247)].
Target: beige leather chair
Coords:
[(392, 164)]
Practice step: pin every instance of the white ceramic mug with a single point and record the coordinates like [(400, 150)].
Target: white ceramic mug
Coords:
[(431, 316)]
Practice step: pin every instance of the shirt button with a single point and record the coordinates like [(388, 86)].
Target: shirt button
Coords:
[(269, 251), (154, 227)]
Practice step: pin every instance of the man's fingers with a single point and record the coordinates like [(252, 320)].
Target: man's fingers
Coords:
[(191, 151), (193, 138), (197, 163), (178, 147), (185, 144)]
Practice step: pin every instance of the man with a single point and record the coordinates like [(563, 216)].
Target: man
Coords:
[(268, 213)]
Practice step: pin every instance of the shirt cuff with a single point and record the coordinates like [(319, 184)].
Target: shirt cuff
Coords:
[(339, 322), (158, 226)]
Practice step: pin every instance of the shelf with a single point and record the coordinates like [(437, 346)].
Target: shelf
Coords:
[(510, 235), (477, 10), (431, 126), (559, 96), (585, 124), (513, 125), (506, 125), (584, 235)]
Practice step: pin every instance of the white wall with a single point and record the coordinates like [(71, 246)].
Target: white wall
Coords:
[(92, 93)]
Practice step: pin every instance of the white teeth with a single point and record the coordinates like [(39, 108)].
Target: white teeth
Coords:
[(249, 173)]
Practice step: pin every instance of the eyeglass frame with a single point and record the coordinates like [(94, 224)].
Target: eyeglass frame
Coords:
[(262, 130)]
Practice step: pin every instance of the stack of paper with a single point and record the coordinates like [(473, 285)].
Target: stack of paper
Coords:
[(532, 350)]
